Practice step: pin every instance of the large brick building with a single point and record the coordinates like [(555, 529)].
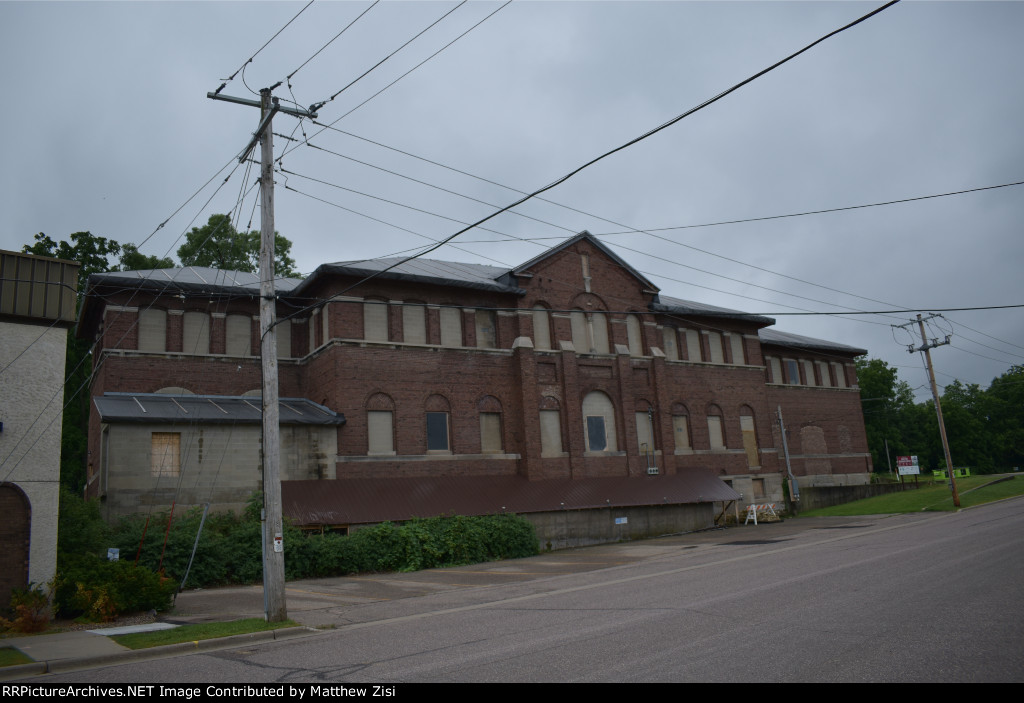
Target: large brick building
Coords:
[(565, 383)]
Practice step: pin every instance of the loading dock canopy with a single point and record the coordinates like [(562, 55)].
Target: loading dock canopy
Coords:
[(158, 407)]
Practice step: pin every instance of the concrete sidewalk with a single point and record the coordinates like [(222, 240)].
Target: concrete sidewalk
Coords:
[(326, 603)]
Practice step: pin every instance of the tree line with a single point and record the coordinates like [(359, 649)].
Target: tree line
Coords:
[(985, 427)]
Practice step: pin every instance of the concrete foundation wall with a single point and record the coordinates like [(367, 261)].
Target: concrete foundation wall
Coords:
[(579, 528)]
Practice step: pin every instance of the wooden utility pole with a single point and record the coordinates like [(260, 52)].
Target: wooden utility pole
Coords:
[(925, 347), (275, 608)]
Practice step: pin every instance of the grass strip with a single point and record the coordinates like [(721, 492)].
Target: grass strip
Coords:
[(974, 490), (9, 656), (193, 633)]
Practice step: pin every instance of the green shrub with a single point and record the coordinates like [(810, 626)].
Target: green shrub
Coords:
[(31, 610), (101, 590)]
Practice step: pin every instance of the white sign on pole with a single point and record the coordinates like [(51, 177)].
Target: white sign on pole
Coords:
[(907, 465)]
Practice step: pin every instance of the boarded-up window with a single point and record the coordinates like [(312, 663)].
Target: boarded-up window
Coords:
[(693, 345), (840, 374), (634, 335), (808, 372), (599, 325), (580, 338), (670, 342), (541, 328), (165, 459), (736, 341), (758, 485), (284, 339), (375, 321), (776, 367), (490, 433), (314, 322), (451, 327), (380, 431), (437, 432), (715, 348), (196, 334), (550, 433), (645, 434), (599, 419), (749, 440), (826, 379), (238, 335), (325, 323), (486, 329), (715, 433), (152, 330), (681, 431), (414, 324)]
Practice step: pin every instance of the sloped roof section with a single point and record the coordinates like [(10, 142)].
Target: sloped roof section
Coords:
[(786, 339), (598, 244), (676, 306), (451, 273), (369, 500), (191, 278), (161, 408)]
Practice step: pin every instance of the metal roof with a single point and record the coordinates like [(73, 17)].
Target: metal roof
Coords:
[(191, 277), (786, 339), (367, 500), (676, 306), (162, 408), (452, 273), (598, 244)]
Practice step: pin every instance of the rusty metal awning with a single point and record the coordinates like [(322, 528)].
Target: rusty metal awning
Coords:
[(369, 500)]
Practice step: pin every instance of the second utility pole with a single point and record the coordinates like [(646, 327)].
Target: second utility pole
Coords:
[(925, 347)]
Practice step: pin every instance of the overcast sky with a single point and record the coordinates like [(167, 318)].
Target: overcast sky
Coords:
[(109, 130)]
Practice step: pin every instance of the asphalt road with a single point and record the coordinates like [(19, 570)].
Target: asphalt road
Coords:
[(924, 597)]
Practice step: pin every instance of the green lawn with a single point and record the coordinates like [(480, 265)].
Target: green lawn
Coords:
[(973, 490), (9, 656), (192, 633)]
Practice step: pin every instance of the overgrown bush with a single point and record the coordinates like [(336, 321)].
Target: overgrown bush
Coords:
[(30, 610), (101, 590), (230, 550)]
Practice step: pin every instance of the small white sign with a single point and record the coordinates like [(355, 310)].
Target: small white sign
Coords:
[(278, 542), (113, 554), (907, 465), (621, 520)]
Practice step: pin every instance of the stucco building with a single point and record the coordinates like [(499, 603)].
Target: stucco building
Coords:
[(557, 380), (37, 307)]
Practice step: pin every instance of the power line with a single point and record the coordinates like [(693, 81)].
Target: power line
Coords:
[(345, 29)]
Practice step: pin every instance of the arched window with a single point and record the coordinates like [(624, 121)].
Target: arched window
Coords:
[(196, 334), (438, 425), (380, 425), (681, 426), (716, 431), (589, 332), (645, 441), (489, 408), (599, 423), (153, 330), (550, 427)]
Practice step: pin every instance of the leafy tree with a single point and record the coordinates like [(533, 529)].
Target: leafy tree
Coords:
[(133, 260), (885, 401), (220, 245)]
